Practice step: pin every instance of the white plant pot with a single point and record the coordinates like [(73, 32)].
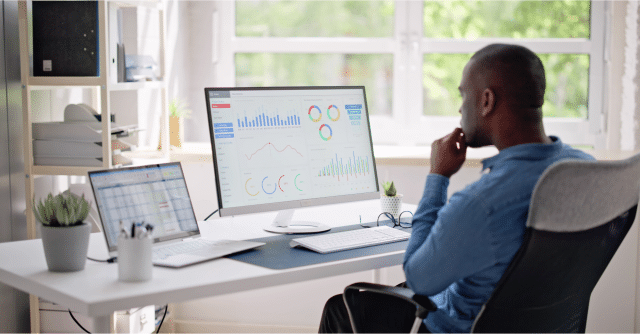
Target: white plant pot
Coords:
[(393, 205)]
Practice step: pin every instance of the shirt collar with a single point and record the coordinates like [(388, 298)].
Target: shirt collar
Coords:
[(524, 152)]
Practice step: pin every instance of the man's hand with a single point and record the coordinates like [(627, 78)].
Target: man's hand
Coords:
[(448, 153)]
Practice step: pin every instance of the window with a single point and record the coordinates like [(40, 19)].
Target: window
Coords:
[(409, 55)]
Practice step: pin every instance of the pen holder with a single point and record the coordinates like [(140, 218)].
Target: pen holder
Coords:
[(134, 259)]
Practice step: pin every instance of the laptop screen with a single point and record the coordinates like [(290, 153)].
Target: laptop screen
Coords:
[(153, 194)]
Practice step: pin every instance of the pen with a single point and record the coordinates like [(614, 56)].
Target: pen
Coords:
[(123, 231), (149, 229), (133, 230)]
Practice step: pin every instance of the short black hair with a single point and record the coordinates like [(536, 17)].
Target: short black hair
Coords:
[(516, 71)]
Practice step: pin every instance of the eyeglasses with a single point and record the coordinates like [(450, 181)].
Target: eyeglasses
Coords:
[(404, 220)]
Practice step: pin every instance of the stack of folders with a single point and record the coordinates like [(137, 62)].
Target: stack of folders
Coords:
[(77, 141)]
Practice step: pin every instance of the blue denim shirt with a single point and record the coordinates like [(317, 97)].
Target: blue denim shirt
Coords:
[(459, 250)]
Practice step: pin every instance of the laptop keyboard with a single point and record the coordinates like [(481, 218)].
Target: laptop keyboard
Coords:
[(185, 247)]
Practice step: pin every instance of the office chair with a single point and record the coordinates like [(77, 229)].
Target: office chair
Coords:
[(579, 214)]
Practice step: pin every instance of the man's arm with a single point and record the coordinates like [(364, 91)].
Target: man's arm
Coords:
[(448, 242), (441, 246)]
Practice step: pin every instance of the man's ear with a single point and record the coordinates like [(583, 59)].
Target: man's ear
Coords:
[(487, 102)]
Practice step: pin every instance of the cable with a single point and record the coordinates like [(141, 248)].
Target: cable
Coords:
[(109, 260), (166, 307), (77, 323), (211, 214)]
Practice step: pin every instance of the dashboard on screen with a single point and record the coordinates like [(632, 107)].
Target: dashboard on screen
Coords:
[(279, 148)]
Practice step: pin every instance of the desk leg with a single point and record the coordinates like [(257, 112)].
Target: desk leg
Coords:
[(34, 312), (102, 324), (377, 276)]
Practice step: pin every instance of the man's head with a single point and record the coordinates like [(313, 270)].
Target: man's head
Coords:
[(501, 85)]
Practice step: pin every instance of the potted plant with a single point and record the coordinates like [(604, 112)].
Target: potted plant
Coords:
[(177, 112), (390, 200), (65, 235)]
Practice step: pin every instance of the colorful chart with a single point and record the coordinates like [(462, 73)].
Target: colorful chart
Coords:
[(280, 180), (330, 132), (353, 166), (247, 186), (319, 113), (265, 191), (337, 110), (265, 121), (295, 182)]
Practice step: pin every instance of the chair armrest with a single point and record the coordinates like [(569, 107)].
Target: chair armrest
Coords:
[(424, 304)]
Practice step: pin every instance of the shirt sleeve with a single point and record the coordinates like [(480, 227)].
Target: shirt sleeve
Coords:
[(449, 241)]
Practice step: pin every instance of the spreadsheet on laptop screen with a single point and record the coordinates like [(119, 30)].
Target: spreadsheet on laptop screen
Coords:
[(155, 194)]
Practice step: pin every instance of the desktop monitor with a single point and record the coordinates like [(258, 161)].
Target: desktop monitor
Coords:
[(283, 148)]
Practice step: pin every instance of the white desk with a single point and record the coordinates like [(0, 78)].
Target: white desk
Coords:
[(96, 291)]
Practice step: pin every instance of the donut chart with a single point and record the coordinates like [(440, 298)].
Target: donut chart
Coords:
[(325, 138), (329, 112), (295, 182), (319, 113), (247, 186), (275, 186), (280, 179)]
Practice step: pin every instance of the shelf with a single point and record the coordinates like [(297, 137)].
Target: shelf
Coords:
[(48, 88), (63, 170), (64, 82), (122, 86)]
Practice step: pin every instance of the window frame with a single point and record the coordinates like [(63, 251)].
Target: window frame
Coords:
[(408, 47)]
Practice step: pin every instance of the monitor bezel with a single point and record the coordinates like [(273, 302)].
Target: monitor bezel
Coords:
[(294, 204)]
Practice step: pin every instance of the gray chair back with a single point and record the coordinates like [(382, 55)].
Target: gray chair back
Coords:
[(579, 214)]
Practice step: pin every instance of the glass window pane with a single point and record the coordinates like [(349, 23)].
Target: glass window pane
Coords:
[(566, 94), (314, 18), (514, 19), (374, 71)]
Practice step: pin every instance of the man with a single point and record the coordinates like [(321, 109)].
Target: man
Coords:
[(459, 250)]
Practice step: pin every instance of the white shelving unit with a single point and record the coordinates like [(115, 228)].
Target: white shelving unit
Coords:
[(101, 88)]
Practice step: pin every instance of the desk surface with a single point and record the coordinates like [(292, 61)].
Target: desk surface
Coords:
[(96, 291)]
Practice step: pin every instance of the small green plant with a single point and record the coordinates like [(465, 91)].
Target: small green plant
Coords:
[(61, 210), (179, 109), (389, 189)]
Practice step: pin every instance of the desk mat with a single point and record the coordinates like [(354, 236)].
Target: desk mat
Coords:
[(278, 254)]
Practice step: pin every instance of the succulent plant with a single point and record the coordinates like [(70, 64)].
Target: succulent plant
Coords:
[(61, 210), (389, 189)]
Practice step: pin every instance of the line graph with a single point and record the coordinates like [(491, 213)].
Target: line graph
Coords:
[(249, 157)]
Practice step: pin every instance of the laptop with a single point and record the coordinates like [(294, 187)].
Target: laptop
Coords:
[(157, 195)]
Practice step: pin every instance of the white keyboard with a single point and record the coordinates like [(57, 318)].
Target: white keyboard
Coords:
[(184, 247), (334, 242)]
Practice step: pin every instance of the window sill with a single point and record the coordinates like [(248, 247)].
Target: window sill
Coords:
[(386, 154)]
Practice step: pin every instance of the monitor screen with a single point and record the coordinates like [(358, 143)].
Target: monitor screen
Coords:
[(277, 148)]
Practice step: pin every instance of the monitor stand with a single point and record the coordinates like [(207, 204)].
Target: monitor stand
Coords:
[(283, 224)]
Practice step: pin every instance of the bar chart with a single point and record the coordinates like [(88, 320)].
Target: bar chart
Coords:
[(343, 168), (265, 119)]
